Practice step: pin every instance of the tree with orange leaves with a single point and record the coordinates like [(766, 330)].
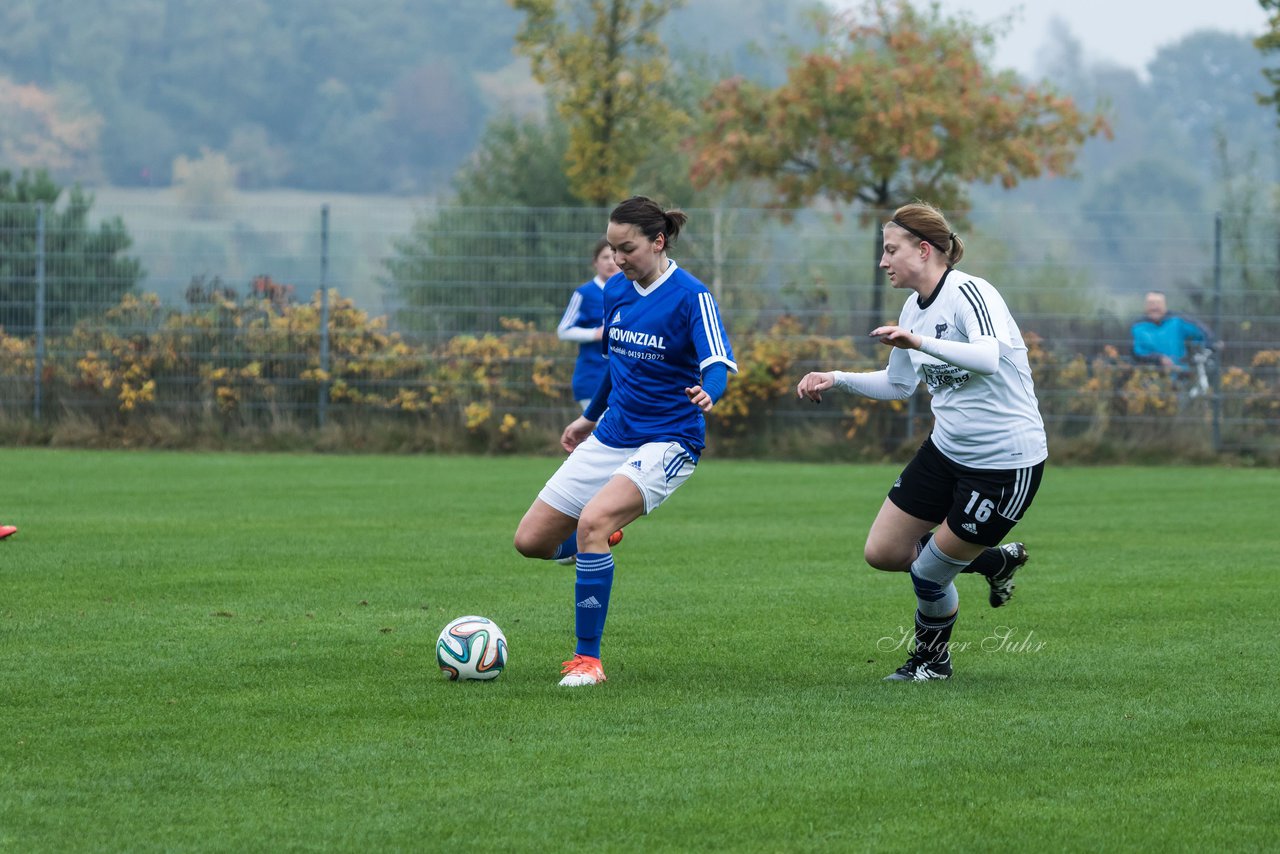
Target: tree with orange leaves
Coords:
[(903, 107), (900, 105)]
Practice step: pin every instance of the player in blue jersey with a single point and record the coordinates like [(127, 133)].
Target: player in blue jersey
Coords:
[(641, 435), (583, 323)]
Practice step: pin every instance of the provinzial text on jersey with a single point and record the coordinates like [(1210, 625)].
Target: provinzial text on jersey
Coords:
[(639, 339)]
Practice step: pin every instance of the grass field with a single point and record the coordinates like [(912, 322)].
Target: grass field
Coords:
[(236, 652)]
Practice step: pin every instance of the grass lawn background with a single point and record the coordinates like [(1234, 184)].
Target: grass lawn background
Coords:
[(230, 651)]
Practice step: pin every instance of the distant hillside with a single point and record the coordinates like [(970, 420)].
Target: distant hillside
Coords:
[(382, 96)]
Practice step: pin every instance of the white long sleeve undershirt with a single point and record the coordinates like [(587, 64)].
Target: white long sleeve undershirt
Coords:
[(567, 331), (577, 334), (982, 355), (873, 384)]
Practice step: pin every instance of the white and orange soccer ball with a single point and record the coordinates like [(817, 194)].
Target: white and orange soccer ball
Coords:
[(471, 648)]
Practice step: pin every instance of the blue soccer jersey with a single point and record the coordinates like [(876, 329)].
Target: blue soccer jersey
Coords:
[(658, 341), (583, 316)]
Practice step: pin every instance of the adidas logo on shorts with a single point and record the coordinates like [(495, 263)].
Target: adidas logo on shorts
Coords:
[(635, 464), (970, 527)]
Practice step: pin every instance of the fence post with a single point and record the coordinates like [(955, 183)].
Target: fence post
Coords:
[(40, 302), (1217, 327), (717, 223), (322, 409)]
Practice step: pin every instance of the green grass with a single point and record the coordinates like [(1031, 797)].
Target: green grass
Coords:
[(236, 652)]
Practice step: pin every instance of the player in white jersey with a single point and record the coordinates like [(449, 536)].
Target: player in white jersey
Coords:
[(976, 475), (642, 433)]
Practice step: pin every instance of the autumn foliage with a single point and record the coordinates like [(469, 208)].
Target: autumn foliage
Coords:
[(605, 67), (242, 366), (899, 104)]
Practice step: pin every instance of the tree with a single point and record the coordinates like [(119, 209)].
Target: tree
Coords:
[(511, 247), (46, 130), (1124, 206), (1269, 42), (907, 109), (204, 183), (520, 163), (1208, 82), (607, 79), (85, 270), (904, 106)]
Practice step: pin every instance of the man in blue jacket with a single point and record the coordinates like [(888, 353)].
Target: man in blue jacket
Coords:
[(1160, 338)]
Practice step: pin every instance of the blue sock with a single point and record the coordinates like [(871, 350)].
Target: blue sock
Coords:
[(591, 593), (568, 548)]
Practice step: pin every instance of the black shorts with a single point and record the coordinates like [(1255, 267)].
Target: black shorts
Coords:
[(980, 505)]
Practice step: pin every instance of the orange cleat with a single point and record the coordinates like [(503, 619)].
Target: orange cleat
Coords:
[(582, 670), (9, 530), (614, 539)]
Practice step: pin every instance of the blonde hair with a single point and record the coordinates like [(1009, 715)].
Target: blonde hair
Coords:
[(928, 224)]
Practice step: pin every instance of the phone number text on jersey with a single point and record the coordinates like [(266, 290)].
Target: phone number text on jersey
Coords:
[(642, 355)]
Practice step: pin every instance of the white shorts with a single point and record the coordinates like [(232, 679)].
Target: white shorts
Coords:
[(657, 469)]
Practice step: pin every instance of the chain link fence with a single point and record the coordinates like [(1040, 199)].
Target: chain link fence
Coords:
[(360, 312)]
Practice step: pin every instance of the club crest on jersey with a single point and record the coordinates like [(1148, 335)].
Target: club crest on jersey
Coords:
[(939, 329)]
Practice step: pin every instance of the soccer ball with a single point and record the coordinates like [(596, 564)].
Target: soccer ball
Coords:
[(471, 648)]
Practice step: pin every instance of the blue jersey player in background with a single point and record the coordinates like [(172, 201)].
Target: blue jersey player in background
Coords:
[(641, 435), (583, 323)]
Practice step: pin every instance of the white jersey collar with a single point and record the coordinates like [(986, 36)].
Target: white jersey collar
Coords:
[(672, 266)]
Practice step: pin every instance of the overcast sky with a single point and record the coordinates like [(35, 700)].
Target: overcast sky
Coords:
[(1123, 32)]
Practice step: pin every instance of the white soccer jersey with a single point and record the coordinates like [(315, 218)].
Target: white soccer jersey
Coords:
[(984, 422)]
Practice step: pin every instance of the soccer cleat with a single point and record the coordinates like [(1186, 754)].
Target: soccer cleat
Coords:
[(921, 670), (582, 670), (615, 538), (9, 530), (1015, 555)]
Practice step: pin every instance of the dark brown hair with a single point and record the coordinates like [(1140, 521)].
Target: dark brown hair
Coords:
[(650, 218)]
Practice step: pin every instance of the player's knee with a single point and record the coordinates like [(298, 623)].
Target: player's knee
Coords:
[(592, 528), (528, 545), (884, 557)]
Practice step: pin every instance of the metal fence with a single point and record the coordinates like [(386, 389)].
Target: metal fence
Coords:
[(356, 308)]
